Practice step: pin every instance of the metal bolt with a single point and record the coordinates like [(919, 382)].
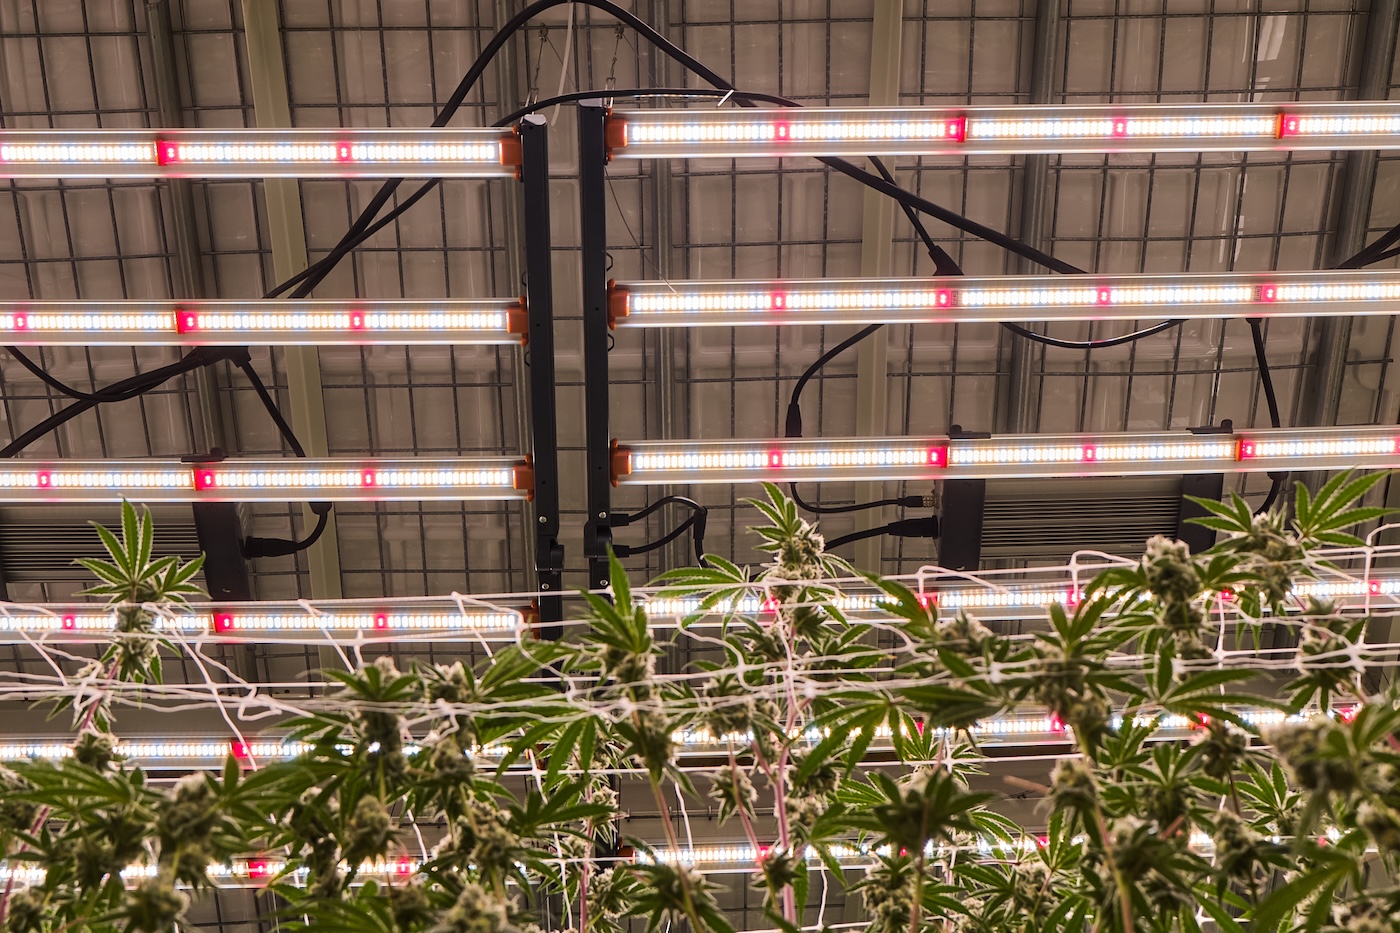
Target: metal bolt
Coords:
[(544, 586), (543, 519), (602, 514)]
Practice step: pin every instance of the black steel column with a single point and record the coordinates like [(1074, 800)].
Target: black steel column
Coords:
[(539, 292), (592, 166)]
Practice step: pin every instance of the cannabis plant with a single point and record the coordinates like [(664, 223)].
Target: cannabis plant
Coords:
[(834, 721)]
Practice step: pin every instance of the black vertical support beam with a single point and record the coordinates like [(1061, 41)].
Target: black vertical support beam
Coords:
[(539, 292), (219, 529), (960, 545), (1202, 486), (592, 167)]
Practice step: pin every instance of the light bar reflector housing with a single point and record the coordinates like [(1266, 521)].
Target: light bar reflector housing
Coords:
[(964, 131), (261, 323), (265, 480), (960, 300), (934, 458), (254, 153)]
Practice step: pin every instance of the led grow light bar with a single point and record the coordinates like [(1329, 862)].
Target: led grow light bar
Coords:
[(252, 153), (243, 323), (265, 622), (1028, 455), (1001, 298), (265, 480), (963, 131), (242, 872)]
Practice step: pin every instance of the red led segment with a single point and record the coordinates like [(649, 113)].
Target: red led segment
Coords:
[(775, 458), (1287, 126), (781, 131), (357, 320), (239, 750), (381, 621), (204, 479), (956, 129), (258, 868), (21, 322), (403, 867), (342, 153), (186, 322), (368, 478), (1103, 296), (1090, 453), (167, 152), (938, 456), (946, 298), (45, 479), (1120, 127), (70, 623), (1245, 450), (1268, 293), (1374, 587), (223, 622), (777, 300)]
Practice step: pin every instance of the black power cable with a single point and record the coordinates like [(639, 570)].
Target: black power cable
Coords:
[(1266, 381), (904, 528), (125, 389), (696, 522)]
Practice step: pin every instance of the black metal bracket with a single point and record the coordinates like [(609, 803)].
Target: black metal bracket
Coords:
[(592, 167), (1224, 427), (539, 289)]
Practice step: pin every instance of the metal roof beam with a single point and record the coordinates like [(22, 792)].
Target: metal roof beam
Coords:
[(272, 108), (507, 69), (877, 259), (671, 403), (1354, 188), (189, 264), (1021, 403)]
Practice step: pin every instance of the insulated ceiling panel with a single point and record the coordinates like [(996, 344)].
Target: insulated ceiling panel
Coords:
[(370, 63)]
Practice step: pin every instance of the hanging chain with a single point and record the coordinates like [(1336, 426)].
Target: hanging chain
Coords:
[(533, 93), (612, 69)]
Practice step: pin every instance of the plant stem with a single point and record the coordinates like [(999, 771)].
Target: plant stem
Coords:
[(675, 844), (1124, 901)]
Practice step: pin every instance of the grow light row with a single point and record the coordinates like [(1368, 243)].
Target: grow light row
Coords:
[(964, 131), (266, 480), (271, 621), (241, 323), (745, 856), (197, 752), (781, 460), (962, 300), (254, 153), (234, 873), (81, 623)]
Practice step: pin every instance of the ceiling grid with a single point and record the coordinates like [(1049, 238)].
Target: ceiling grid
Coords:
[(392, 62)]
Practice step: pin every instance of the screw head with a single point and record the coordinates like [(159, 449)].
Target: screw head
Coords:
[(544, 586), (543, 519), (602, 514)]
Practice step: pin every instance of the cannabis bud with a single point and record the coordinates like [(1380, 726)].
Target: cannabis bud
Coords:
[(1170, 571), (153, 906), (368, 829), (734, 791), (95, 749), (1073, 786)]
